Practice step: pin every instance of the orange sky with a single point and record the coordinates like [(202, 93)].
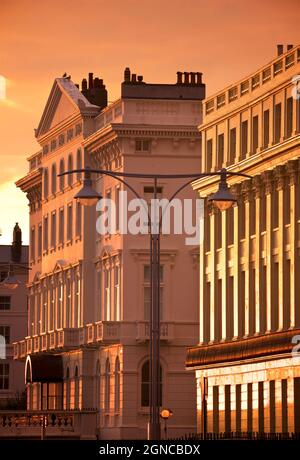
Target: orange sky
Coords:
[(40, 40)]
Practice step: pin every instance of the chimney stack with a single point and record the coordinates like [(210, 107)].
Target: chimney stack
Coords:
[(289, 47), (95, 91), (279, 50), (16, 247)]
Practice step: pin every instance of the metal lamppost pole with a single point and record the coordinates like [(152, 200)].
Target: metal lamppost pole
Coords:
[(222, 199)]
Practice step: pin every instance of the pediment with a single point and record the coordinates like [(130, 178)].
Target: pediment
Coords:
[(65, 100), (59, 265)]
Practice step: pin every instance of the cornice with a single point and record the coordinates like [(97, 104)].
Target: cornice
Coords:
[(30, 180), (60, 128), (253, 165)]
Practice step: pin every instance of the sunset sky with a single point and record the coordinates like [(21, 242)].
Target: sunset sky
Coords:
[(40, 40)]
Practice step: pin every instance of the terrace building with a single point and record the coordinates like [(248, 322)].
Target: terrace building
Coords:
[(13, 319), (87, 348), (248, 379)]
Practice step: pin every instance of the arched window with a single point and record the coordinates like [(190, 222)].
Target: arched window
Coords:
[(78, 163), (76, 392), (97, 386), (145, 384), (53, 179), (70, 166), (62, 178), (68, 392), (46, 183), (117, 385), (107, 386)]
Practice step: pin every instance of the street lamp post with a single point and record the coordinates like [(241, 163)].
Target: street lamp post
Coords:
[(222, 199)]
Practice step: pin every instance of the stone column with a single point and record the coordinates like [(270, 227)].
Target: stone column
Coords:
[(290, 405), (271, 122), (293, 172), (247, 191), (226, 160), (244, 408), (255, 406), (210, 417), (266, 399), (236, 266), (221, 408), (213, 278), (295, 107), (224, 276), (235, 407), (278, 406), (268, 179), (280, 183), (257, 182), (202, 278)]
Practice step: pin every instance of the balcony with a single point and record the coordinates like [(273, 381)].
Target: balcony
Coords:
[(107, 331), (68, 339), (166, 331), (57, 424)]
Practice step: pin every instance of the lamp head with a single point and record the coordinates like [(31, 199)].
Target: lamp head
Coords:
[(10, 282), (223, 198), (87, 195)]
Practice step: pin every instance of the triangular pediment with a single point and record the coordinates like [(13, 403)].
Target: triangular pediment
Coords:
[(65, 100)]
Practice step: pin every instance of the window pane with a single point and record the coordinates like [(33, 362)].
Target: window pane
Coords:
[(4, 302)]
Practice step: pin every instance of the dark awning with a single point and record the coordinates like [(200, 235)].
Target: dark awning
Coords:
[(44, 368), (262, 346)]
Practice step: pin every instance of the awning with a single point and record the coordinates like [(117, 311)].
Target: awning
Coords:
[(44, 368), (262, 346)]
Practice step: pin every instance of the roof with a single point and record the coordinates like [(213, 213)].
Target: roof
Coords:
[(64, 86), (5, 253)]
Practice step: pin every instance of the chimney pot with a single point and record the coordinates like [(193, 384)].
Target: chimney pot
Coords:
[(127, 75), (279, 50), (198, 78), (133, 78), (91, 81), (179, 78), (84, 85), (193, 78), (140, 78), (186, 78)]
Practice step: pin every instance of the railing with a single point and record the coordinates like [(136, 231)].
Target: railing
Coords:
[(278, 65), (236, 435), (68, 338), (143, 331), (107, 331), (78, 424)]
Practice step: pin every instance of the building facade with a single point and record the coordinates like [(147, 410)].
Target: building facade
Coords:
[(89, 294), (246, 364), (13, 320)]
